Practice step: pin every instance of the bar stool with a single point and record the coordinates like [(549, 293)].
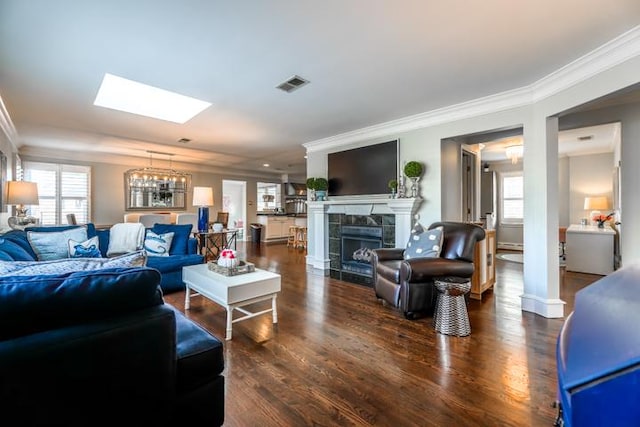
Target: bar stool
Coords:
[(301, 238), (292, 238)]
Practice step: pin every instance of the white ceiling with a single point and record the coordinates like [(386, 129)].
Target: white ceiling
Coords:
[(369, 61), (573, 142)]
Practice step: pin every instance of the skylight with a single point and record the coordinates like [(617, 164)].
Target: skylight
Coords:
[(126, 95)]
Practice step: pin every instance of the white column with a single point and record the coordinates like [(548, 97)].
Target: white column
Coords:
[(317, 235), (541, 257)]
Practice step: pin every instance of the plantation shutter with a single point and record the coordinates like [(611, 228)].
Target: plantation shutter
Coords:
[(62, 189)]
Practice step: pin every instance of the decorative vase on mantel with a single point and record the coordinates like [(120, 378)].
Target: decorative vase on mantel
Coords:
[(400, 194), (415, 189)]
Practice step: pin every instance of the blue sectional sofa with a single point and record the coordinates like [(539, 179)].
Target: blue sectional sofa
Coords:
[(14, 246), (102, 348)]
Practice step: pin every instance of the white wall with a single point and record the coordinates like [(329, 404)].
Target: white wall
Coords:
[(564, 177), (590, 175), (536, 115)]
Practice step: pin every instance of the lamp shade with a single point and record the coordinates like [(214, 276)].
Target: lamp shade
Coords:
[(22, 193), (202, 196), (595, 203)]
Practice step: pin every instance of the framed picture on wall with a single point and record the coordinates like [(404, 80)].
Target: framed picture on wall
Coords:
[(3, 182)]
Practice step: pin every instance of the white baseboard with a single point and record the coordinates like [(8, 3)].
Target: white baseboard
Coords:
[(510, 245)]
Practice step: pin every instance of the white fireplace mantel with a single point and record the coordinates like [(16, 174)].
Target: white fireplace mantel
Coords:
[(318, 226)]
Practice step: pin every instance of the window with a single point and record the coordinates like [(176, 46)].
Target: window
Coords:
[(512, 198), (269, 196), (62, 189)]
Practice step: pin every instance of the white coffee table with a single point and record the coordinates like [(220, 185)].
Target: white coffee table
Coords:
[(232, 292)]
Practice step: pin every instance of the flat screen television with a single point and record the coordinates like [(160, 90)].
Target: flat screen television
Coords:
[(363, 171)]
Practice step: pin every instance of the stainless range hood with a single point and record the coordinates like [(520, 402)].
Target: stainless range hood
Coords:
[(294, 189)]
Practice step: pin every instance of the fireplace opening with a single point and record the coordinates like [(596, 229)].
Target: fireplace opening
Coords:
[(357, 245)]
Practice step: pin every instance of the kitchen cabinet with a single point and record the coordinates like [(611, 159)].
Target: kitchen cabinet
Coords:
[(275, 227), (484, 260)]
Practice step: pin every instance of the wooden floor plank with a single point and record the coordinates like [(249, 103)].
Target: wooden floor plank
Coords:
[(340, 357)]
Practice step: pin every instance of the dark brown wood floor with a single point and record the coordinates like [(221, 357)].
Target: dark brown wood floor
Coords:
[(339, 357)]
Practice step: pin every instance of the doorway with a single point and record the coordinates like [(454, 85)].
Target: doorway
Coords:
[(234, 201)]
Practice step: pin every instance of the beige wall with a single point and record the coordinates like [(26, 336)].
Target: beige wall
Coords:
[(107, 190)]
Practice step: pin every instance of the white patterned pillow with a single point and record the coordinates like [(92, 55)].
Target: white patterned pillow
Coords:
[(424, 243), (70, 265), (50, 245), (158, 244), (87, 249)]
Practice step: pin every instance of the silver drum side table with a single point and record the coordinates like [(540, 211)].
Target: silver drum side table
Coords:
[(451, 317)]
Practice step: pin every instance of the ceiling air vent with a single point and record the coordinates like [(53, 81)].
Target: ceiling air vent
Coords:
[(293, 83)]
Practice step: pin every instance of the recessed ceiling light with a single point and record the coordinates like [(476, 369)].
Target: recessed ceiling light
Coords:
[(121, 94), (266, 165)]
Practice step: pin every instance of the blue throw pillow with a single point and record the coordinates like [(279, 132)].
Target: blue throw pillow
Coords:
[(50, 245), (12, 251), (182, 232), (157, 244), (87, 249)]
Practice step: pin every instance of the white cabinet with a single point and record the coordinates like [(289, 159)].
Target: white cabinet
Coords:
[(275, 227), (589, 249)]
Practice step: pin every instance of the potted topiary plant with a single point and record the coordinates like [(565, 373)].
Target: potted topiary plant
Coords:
[(413, 170), (311, 185), (321, 185), (393, 186)]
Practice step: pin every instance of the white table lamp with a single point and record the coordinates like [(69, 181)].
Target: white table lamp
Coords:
[(21, 193), (594, 204)]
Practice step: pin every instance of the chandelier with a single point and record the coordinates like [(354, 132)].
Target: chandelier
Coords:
[(152, 178), (514, 152)]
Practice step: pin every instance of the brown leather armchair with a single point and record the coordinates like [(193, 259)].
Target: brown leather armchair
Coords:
[(408, 284)]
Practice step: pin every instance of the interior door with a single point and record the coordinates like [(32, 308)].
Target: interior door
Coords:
[(234, 201), (468, 186)]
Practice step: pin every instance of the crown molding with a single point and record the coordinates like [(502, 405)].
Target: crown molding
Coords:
[(124, 160), (7, 125), (612, 53)]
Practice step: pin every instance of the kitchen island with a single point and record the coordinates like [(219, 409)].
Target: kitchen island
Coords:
[(275, 227)]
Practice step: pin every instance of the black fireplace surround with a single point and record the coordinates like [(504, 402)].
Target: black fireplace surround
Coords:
[(351, 239)]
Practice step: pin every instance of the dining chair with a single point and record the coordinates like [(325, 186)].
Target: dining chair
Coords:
[(188, 218), (148, 220), (223, 218), (71, 219)]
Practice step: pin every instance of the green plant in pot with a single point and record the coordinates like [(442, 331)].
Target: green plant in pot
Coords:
[(321, 185), (413, 170), (311, 186), (393, 186)]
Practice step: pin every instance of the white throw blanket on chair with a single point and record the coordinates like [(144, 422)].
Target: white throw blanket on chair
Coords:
[(125, 237)]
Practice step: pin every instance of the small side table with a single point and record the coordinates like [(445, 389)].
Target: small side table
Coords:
[(451, 317), (211, 243)]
